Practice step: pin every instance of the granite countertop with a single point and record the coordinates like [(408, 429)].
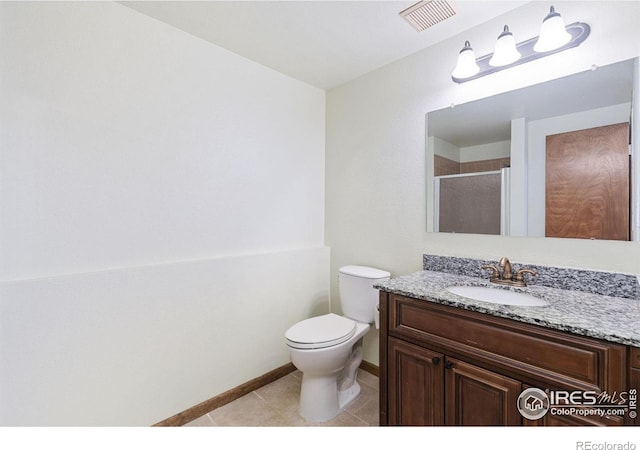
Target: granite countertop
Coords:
[(613, 319)]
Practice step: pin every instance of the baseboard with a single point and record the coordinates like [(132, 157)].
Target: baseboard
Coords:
[(371, 368), (207, 406)]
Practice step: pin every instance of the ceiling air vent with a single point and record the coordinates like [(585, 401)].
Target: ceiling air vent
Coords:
[(426, 14)]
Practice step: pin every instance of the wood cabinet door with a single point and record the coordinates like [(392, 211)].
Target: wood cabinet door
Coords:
[(587, 183), (475, 396), (416, 385)]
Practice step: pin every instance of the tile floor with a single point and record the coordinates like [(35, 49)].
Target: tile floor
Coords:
[(276, 405)]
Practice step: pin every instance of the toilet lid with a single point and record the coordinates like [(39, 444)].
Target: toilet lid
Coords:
[(320, 332)]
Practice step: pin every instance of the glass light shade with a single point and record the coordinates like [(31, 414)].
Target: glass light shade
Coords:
[(505, 52), (553, 33), (466, 66)]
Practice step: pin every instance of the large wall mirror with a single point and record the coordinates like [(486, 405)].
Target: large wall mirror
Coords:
[(553, 159)]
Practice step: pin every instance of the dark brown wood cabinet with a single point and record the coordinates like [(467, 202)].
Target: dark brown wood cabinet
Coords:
[(427, 388), (416, 378), (442, 365), (479, 397)]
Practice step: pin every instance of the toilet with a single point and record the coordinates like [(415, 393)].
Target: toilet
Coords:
[(327, 349)]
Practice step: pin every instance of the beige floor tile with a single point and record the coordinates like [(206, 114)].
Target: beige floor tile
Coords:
[(369, 379), (344, 419), (277, 403), (204, 421), (370, 411), (248, 411), (283, 394)]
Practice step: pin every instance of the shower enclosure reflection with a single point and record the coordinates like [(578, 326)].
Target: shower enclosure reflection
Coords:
[(472, 202), (470, 185)]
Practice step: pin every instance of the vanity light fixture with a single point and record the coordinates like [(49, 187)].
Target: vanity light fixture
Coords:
[(466, 66), (553, 33), (554, 37), (506, 52)]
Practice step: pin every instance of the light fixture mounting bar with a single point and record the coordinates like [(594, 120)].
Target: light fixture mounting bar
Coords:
[(579, 32)]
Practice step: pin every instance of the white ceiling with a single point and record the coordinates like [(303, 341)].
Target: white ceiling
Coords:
[(323, 43)]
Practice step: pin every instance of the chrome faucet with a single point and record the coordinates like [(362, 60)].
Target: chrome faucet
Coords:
[(503, 274)]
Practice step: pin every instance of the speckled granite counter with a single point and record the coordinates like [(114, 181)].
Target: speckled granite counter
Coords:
[(614, 319)]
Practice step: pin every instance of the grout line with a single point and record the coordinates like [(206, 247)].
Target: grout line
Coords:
[(365, 423), (211, 419)]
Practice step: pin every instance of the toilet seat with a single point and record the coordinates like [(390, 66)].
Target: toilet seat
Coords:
[(320, 332)]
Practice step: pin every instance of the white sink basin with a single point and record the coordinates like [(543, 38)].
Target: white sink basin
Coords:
[(496, 295)]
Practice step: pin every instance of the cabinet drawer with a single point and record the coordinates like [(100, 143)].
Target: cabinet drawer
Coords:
[(531, 352)]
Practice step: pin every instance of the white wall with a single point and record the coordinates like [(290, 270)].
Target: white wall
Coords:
[(157, 195), (376, 194), (137, 345), (492, 150), (444, 148)]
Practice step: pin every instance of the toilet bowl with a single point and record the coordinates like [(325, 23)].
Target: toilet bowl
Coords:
[(327, 349), (328, 367)]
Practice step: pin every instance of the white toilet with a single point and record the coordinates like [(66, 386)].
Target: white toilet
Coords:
[(328, 349)]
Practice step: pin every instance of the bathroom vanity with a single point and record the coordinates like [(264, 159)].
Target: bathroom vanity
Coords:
[(451, 360)]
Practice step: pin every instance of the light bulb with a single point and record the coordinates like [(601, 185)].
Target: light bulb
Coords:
[(506, 51), (466, 66), (553, 33)]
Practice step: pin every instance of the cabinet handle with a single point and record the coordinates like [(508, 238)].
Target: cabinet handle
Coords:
[(448, 364), (435, 360)]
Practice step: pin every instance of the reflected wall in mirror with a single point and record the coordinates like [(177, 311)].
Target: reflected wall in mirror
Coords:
[(507, 135)]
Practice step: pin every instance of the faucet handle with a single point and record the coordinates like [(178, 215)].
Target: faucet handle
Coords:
[(495, 274), (521, 272)]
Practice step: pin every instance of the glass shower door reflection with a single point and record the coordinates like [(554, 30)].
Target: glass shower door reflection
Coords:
[(472, 203)]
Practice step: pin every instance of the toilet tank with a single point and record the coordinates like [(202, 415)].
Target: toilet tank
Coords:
[(358, 298)]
